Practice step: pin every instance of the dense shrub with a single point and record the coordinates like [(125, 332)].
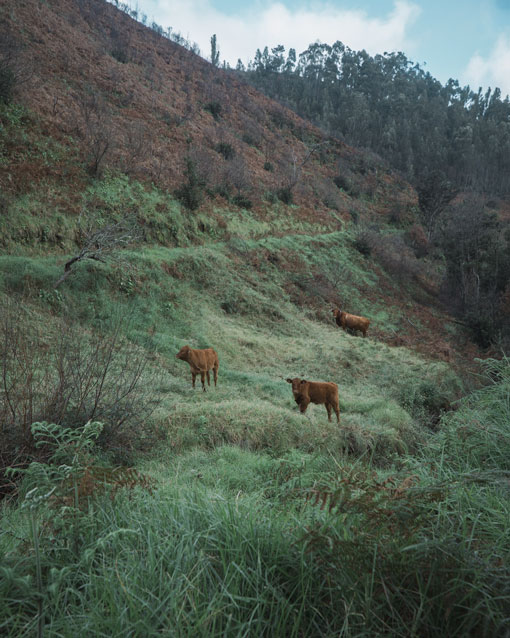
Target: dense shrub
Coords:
[(284, 194), (362, 242), (248, 139), (242, 201), (225, 149), (214, 109), (426, 401), (417, 240), (346, 184), (280, 119), (223, 190), (7, 84), (120, 55), (191, 192)]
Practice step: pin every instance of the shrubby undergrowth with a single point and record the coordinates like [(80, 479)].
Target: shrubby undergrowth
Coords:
[(67, 375)]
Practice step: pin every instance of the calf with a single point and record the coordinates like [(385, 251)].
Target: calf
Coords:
[(345, 320), (306, 392), (200, 361)]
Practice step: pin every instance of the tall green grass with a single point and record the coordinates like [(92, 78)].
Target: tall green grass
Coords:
[(235, 542)]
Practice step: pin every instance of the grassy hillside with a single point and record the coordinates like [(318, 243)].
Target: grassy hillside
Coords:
[(232, 538), (138, 506), (238, 469), (213, 295)]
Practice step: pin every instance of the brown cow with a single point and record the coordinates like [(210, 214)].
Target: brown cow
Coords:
[(345, 320), (200, 361), (315, 392)]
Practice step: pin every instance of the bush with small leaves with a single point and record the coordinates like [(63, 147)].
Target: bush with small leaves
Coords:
[(191, 192), (225, 149), (214, 109), (120, 55), (363, 244), (347, 185), (7, 83), (284, 194), (242, 201)]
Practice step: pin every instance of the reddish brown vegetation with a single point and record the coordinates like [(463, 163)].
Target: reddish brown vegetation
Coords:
[(306, 392), (200, 362), (353, 322), (127, 97)]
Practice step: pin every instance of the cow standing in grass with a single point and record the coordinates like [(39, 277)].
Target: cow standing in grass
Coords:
[(200, 362), (345, 320), (306, 392)]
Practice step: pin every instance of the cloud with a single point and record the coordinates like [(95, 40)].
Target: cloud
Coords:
[(493, 70), (239, 36)]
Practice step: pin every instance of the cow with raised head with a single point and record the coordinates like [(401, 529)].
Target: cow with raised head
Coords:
[(200, 362), (306, 392), (345, 320)]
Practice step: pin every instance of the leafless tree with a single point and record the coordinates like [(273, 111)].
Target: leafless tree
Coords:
[(138, 145), (237, 175), (252, 132), (96, 129), (68, 376), (157, 167), (101, 242), (100, 138), (120, 44), (292, 169)]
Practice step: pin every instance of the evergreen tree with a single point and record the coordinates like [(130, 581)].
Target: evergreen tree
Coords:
[(215, 53)]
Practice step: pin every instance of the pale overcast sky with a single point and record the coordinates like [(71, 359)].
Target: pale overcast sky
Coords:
[(468, 40)]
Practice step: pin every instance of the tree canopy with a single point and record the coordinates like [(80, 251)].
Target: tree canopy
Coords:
[(393, 106)]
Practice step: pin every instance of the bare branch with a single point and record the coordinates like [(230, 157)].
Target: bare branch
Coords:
[(103, 243)]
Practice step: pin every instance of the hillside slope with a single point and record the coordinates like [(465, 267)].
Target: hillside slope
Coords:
[(114, 117), (256, 281), (150, 201)]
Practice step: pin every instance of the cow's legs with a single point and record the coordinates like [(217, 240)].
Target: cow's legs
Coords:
[(215, 370), (303, 404), (208, 378), (328, 408), (202, 378), (193, 377)]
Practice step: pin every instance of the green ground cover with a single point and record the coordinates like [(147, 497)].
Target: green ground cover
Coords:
[(242, 517), (236, 542)]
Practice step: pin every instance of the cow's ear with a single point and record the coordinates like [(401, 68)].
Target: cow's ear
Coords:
[(289, 380), (303, 381)]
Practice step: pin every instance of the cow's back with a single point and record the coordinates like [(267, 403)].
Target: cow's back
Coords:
[(211, 357), (322, 391), (204, 359)]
